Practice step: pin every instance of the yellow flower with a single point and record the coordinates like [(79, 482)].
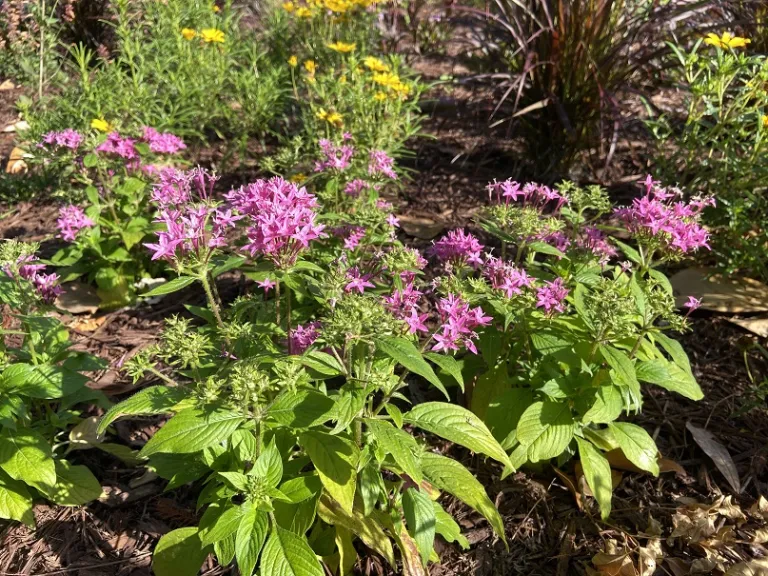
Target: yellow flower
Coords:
[(343, 79), (333, 118), (293, 61), (304, 12), (726, 40), (379, 96), (188, 33), (310, 67), (299, 178), (337, 6), (342, 47), (765, 121), (101, 125), (212, 35), (375, 64), (289, 7), (386, 79), (215, 8)]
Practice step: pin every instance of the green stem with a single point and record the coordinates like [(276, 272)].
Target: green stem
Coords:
[(211, 299), (163, 377)]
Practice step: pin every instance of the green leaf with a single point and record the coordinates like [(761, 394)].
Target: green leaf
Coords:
[(630, 252), (90, 160), (607, 406), (404, 352), (458, 425), (504, 411), (368, 529), (623, 372), (170, 287), (287, 554), (597, 471), (546, 429), (489, 386), (26, 456), (335, 459), (450, 476), (322, 363), (670, 377), (448, 364), (15, 501), (269, 465), (662, 279), (420, 519), (675, 350), (193, 430), (225, 550), (75, 485), (47, 381), (395, 413), (302, 488), (545, 248), (152, 400), (637, 445), (301, 408), (251, 535), (400, 444), (447, 527), (220, 522), (179, 553)]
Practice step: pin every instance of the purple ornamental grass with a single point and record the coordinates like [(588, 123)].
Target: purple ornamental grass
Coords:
[(675, 222), (283, 219), (458, 248), (71, 220)]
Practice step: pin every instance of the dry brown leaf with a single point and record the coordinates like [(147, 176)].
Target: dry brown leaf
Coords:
[(420, 227), (757, 324), (571, 485), (760, 508), (719, 454), (16, 163), (757, 567), (677, 566), (654, 528), (618, 564), (648, 558), (78, 298), (7, 85), (760, 536), (720, 294), (409, 552), (87, 324)]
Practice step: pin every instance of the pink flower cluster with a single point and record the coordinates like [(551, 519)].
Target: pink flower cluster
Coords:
[(458, 324), (381, 163), (174, 187), (65, 139), (115, 144), (162, 142), (356, 187), (302, 337), (552, 296), (283, 219), (404, 305), (594, 241), (337, 157), (506, 277), (658, 215), (557, 239), (189, 227), (46, 285), (531, 194), (458, 248), (358, 280), (71, 220)]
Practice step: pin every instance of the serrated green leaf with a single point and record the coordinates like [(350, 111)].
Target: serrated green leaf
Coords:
[(630, 252), (323, 365), (301, 408), (400, 444), (368, 529), (450, 476), (179, 553), (545, 428), (225, 550), (302, 488), (623, 372), (46, 381), (170, 287), (607, 406), (287, 554), (395, 413), (405, 353), (420, 519), (458, 425), (250, 538), (504, 411), (670, 377), (152, 400), (449, 365), (269, 465), (335, 459), (75, 485), (25, 455), (597, 472), (447, 527), (193, 430), (637, 445), (15, 501), (218, 522), (675, 350)]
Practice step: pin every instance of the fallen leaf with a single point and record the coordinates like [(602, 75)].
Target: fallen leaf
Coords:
[(648, 558), (757, 567), (78, 298), (760, 536), (16, 163), (618, 564), (720, 294), (757, 324), (420, 227), (718, 453), (677, 566), (87, 324), (7, 85), (571, 485), (760, 508)]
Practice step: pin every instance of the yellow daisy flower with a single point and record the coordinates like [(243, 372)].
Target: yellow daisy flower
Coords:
[(337, 6), (210, 35), (375, 64), (342, 47), (289, 7), (188, 33), (215, 8), (293, 61), (304, 12), (726, 40), (310, 67), (765, 121), (101, 125), (380, 96)]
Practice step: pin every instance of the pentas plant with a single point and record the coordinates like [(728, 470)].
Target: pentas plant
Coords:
[(42, 386), (566, 329), (287, 405), (114, 173)]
